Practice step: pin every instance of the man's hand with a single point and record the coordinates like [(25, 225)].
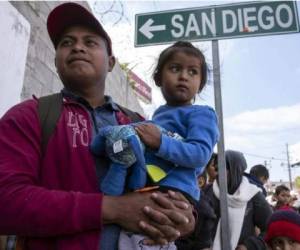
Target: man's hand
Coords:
[(161, 217), (180, 216), (149, 135)]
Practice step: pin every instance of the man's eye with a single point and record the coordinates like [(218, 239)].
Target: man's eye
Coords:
[(66, 42), (91, 43)]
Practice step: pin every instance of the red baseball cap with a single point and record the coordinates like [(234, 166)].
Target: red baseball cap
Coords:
[(69, 14)]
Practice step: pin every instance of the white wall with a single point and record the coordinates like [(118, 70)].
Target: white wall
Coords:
[(14, 38)]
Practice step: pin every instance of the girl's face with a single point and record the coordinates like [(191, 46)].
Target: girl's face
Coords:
[(180, 79)]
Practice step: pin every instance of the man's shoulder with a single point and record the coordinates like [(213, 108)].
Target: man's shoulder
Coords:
[(22, 109), (22, 116)]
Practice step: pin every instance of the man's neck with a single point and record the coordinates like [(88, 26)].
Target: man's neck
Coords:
[(94, 96), (95, 99)]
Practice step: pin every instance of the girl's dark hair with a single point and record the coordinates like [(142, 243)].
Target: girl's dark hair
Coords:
[(187, 48)]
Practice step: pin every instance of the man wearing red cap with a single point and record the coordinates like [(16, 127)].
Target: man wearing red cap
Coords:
[(50, 198)]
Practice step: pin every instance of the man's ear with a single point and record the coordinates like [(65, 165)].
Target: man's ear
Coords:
[(111, 63)]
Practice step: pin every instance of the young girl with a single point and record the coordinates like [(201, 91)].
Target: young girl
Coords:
[(181, 73)]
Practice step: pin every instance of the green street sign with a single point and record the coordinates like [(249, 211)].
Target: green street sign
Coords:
[(217, 22)]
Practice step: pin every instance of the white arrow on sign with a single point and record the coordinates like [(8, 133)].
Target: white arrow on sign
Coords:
[(147, 29)]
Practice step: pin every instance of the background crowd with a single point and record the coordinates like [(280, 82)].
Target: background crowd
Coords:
[(270, 219)]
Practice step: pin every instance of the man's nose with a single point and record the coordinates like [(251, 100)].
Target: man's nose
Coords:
[(79, 47)]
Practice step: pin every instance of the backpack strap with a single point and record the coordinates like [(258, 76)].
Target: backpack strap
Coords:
[(134, 116), (49, 110)]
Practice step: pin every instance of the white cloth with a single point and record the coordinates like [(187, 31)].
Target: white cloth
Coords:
[(132, 241), (237, 204)]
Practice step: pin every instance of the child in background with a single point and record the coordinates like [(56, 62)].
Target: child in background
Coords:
[(181, 73), (283, 197), (202, 180), (212, 168), (283, 231)]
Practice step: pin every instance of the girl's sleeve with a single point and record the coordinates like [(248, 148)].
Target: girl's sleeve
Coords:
[(196, 149)]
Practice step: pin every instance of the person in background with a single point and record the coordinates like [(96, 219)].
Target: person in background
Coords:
[(202, 237), (294, 201), (202, 180), (50, 198), (283, 197), (212, 168), (258, 175), (283, 232), (247, 207)]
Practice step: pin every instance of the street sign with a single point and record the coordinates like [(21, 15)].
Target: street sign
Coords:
[(217, 22)]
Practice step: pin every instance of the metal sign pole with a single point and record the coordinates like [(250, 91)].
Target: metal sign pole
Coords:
[(225, 237)]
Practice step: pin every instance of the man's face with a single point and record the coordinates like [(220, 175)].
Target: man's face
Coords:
[(82, 57)]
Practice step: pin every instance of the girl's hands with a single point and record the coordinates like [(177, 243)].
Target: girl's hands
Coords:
[(149, 134)]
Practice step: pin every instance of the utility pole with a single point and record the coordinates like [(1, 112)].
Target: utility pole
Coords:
[(289, 166)]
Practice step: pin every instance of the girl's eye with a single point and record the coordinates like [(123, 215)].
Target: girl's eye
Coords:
[(193, 72), (174, 68)]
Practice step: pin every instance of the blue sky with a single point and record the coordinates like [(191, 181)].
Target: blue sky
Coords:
[(260, 78)]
